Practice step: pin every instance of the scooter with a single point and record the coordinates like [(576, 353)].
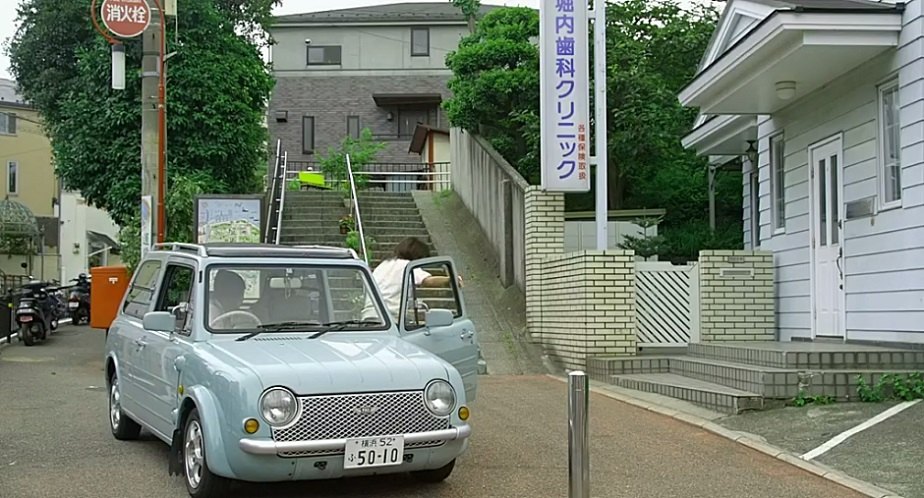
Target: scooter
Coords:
[(35, 313), (78, 300)]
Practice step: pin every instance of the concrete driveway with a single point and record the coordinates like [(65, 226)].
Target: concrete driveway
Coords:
[(55, 442)]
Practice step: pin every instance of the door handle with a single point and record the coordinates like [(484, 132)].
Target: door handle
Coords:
[(466, 335), (140, 344), (840, 269)]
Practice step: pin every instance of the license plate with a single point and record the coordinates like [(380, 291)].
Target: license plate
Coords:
[(25, 318), (73, 306), (362, 453)]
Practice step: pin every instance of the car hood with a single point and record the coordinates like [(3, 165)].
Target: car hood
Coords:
[(336, 363)]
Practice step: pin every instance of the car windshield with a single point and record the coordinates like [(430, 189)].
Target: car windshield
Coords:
[(275, 298)]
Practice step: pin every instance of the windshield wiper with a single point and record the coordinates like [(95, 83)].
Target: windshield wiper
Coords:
[(322, 328), (276, 327), (336, 326)]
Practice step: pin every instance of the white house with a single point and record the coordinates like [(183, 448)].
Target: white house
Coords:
[(89, 237), (829, 95)]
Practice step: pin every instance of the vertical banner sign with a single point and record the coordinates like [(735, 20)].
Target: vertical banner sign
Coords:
[(565, 95), (146, 202)]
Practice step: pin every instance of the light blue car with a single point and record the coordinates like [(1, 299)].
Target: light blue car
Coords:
[(265, 363)]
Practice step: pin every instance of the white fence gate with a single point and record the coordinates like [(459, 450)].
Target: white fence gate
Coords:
[(667, 304)]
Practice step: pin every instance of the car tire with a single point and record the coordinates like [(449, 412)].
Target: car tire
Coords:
[(122, 426), (435, 475), (200, 481)]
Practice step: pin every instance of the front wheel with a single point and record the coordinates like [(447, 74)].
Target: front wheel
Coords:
[(200, 481), (123, 428), (435, 475)]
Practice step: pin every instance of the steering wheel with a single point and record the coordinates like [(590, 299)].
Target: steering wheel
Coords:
[(237, 319)]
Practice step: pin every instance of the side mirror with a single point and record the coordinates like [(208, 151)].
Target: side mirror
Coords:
[(159, 321), (439, 318)]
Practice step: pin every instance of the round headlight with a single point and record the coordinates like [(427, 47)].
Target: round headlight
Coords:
[(440, 398), (278, 406)]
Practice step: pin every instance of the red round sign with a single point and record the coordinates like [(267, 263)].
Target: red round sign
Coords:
[(126, 18)]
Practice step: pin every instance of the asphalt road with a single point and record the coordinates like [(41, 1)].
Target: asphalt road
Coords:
[(55, 442)]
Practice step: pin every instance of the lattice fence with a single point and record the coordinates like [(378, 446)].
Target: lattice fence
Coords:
[(667, 304)]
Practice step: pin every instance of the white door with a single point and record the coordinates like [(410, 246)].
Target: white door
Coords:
[(826, 161)]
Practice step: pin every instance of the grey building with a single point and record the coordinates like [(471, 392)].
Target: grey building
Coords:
[(381, 67)]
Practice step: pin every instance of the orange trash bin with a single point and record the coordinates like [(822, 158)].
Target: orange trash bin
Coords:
[(107, 288)]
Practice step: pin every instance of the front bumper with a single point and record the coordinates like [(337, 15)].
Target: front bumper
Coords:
[(270, 447)]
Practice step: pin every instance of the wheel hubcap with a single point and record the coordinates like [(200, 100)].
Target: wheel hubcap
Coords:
[(194, 454), (115, 404)]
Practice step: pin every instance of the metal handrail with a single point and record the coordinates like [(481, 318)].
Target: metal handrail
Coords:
[(272, 200), (282, 197), (355, 198)]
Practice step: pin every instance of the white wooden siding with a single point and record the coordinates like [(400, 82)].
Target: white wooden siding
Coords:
[(884, 259)]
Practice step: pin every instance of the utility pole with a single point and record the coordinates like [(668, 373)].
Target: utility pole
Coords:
[(150, 131), (129, 19)]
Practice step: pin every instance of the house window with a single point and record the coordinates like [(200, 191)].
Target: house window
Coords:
[(324, 55), (353, 126), (890, 145), (420, 42), (778, 182), (7, 123), (307, 134), (12, 177)]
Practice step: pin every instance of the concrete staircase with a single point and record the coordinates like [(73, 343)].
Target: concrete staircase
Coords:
[(312, 217), (737, 377), (389, 218)]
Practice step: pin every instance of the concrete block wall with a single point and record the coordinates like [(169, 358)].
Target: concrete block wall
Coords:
[(579, 304), (736, 296), (544, 233), (587, 306)]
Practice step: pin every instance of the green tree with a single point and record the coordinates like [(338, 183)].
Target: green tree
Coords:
[(471, 9), (217, 92), (653, 51), (495, 86), (362, 151)]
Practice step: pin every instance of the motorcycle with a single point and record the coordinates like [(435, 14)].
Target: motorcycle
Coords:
[(78, 300), (36, 313)]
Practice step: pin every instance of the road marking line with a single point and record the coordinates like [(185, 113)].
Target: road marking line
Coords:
[(840, 438)]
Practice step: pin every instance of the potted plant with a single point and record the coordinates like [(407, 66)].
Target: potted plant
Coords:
[(347, 224)]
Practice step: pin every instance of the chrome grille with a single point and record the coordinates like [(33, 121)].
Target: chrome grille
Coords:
[(337, 417)]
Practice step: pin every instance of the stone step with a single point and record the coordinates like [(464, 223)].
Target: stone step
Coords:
[(391, 217), (769, 382), (706, 394), (817, 355)]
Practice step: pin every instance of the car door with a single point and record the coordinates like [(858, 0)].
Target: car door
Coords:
[(128, 335), (157, 365), (432, 284)]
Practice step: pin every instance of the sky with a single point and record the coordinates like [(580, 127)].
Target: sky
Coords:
[(8, 14)]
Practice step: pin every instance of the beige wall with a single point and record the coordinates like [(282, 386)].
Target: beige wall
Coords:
[(31, 151), (10, 265), (364, 47), (442, 155)]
